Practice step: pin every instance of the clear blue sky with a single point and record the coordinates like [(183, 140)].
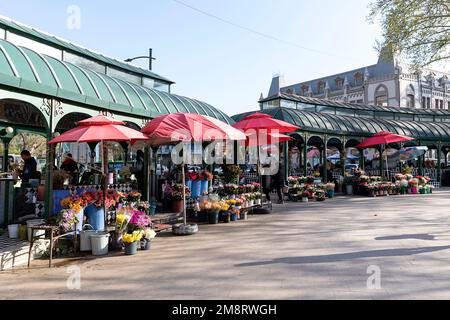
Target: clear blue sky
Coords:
[(212, 61)]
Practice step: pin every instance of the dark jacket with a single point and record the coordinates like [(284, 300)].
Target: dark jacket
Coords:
[(278, 178), (69, 165), (29, 170)]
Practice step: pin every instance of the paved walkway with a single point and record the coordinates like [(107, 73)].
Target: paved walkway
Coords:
[(302, 251)]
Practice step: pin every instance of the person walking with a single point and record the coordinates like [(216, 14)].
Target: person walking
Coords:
[(278, 182)]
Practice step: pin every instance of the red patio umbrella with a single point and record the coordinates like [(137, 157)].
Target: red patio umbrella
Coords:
[(383, 138), (187, 127), (261, 125), (254, 139), (176, 127), (261, 122), (100, 129), (97, 129)]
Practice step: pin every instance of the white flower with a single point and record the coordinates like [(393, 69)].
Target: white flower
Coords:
[(149, 234)]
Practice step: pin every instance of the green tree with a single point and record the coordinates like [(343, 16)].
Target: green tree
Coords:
[(417, 29), (34, 143)]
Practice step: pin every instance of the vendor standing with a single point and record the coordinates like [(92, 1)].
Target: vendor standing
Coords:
[(29, 168), (139, 170), (71, 167)]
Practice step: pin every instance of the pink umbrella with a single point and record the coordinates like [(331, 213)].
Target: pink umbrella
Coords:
[(100, 129)]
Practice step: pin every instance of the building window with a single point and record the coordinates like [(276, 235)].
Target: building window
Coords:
[(305, 90), (441, 104), (428, 103), (358, 79), (410, 101), (424, 103), (448, 105), (436, 103), (320, 87), (381, 101), (339, 82), (381, 96)]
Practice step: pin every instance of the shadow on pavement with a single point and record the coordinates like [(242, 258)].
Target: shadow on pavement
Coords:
[(407, 236), (345, 256)]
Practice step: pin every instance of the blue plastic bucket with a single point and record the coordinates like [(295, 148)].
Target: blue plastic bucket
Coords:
[(189, 184), (196, 189), (96, 217), (58, 196), (205, 187), (80, 216)]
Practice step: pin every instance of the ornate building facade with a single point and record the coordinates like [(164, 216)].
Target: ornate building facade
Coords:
[(386, 83)]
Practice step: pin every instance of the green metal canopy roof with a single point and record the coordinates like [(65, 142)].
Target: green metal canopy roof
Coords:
[(356, 106), (338, 124), (32, 33), (26, 69)]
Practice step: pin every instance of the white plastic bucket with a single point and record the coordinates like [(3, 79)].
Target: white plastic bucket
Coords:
[(13, 231), (99, 243), (35, 222), (85, 238)]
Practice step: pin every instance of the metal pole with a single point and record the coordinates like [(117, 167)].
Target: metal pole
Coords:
[(184, 194), (5, 154), (438, 175), (105, 184), (150, 59), (305, 158), (50, 162)]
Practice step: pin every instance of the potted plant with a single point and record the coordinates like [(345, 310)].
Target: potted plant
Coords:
[(235, 213), (177, 197), (232, 173), (213, 213), (320, 195), (348, 181), (413, 183), (131, 241), (329, 187), (147, 236), (305, 196), (403, 186)]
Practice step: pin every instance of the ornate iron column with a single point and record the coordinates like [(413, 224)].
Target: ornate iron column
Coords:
[(52, 108), (439, 158), (305, 156)]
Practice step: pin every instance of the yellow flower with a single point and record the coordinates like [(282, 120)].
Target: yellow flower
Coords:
[(121, 218)]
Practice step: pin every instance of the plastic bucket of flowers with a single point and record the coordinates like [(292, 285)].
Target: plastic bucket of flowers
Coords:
[(213, 216), (131, 242), (235, 214), (225, 216), (147, 237)]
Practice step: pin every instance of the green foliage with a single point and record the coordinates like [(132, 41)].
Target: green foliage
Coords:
[(418, 29), (34, 143)]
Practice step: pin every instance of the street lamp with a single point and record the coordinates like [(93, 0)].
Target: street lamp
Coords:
[(149, 57)]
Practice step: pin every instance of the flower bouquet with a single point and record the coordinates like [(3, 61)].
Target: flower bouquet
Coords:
[(329, 187), (319, 195), (148, 235), (413, 184), (134, 196), (305, 196), (131, 241), (67, 219)]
